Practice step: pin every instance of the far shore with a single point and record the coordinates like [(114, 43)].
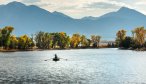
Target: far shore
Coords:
[(36, 49), (136, 49)]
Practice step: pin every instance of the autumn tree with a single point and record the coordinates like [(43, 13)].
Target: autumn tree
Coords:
[(84, 41), (139, 34), (121, 34), (75, 40), (95, 39), (13, 42), (24, 42), (63, 40)]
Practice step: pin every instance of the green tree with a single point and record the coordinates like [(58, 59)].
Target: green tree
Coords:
[(55, 40), (5, 36), (127, 42), (43, 40)]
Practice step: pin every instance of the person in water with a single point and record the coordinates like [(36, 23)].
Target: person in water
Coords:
[(56, 58)]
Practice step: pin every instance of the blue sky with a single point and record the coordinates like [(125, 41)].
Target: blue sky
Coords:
[(82, 8)]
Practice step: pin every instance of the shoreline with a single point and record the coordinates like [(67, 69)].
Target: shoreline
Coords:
[(21, 50), (136, 49)]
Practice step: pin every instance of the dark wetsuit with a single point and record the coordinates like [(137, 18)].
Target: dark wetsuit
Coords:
[(55, 58)]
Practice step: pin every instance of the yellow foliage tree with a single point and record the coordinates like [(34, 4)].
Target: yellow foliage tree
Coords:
[(24, 42), (139, 35), (13, 42), (75, 40), (84, 41), (121, 35)]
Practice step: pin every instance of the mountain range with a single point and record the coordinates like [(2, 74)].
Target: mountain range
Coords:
[(29, 19)]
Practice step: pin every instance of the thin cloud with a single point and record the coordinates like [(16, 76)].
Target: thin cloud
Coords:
[(30, 1), (141, 3), (102, 5)]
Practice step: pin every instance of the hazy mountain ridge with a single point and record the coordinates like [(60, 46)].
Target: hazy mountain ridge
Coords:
[(30, 19)]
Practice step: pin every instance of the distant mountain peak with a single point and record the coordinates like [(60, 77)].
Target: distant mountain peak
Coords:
[(124, 9), (129, 11), (16, 3)]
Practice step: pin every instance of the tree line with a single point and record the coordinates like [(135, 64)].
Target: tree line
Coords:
[(45, 40), (136, 41)]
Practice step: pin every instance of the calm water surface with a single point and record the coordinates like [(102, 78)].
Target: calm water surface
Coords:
[(84, 66)]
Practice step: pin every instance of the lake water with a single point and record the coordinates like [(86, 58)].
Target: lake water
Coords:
[(84, 66)]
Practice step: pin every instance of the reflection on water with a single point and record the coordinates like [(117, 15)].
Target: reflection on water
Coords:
[(88, 66)]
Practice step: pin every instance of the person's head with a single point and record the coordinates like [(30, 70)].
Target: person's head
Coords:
[(55, 55)]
